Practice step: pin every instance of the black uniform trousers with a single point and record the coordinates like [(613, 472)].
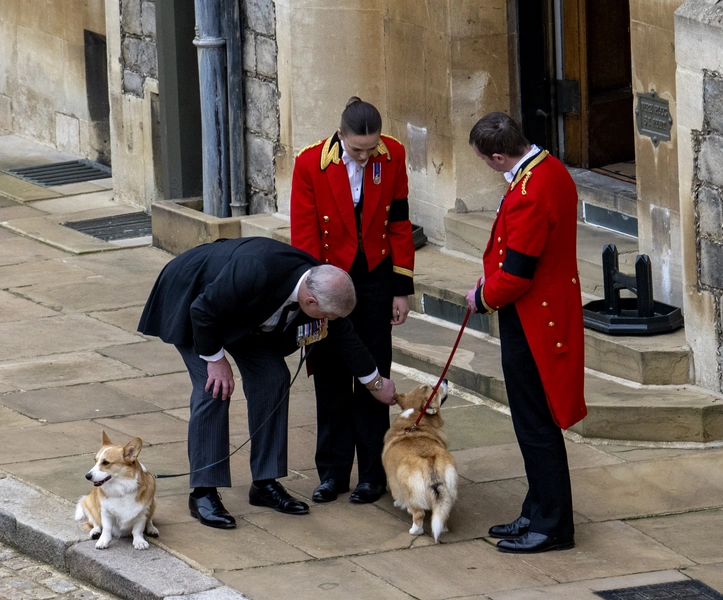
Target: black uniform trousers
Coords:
[(348, 416), (260, 358), (548, 503)]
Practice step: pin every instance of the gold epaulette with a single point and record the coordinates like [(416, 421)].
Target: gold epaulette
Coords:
[(526, 173), (330, 152), (391, 137), (309, 147)]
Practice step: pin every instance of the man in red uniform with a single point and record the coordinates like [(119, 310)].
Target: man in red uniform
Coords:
[(349, 209), (531, 278)]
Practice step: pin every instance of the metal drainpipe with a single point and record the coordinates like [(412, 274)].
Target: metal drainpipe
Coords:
[(214, 107), (234, 38)]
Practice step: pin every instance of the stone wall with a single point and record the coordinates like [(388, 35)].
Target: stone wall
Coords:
[(431, 68), (43, 80), (652, 39), (699, 54), (138, 44), (261, 95)]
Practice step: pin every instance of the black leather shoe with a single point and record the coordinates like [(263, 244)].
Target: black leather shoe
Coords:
[(275, 496), (518, 527), (210, 511), (328, 490), (365, 493), (532, 542)]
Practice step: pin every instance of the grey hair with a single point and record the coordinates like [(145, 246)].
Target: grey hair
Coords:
[(333, 289)]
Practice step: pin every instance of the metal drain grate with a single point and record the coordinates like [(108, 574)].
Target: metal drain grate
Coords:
[(677, 590), (119, 227), (73, 171)]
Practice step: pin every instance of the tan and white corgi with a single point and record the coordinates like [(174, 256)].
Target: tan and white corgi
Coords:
[(123, 498), (421, 472)]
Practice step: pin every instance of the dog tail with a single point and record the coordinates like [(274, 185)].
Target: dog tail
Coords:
[(443, 496), (79, 512)]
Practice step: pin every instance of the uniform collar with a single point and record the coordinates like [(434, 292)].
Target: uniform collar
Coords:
[(510, 175)]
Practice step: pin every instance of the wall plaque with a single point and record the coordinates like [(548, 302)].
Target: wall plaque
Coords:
[(652, 117)]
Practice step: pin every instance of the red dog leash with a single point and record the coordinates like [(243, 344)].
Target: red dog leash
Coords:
[(441, 378)]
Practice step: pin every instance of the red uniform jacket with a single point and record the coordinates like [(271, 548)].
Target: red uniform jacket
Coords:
[(531, 260), (323, 222)]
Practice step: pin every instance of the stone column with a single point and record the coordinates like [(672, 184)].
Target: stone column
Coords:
[(699, 54)]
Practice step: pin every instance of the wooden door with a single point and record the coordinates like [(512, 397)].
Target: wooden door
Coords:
[(597, 58)]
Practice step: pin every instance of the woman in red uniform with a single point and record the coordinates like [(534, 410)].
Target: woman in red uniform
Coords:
[(349, 208)]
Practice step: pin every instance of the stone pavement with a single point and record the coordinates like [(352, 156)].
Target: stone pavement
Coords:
[(72, 365)]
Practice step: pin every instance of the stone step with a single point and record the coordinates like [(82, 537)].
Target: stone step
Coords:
[(616, 411), (606, 201), (442, 280)]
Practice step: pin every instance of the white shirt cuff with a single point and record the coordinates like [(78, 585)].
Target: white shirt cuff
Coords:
[(213, 358), (367, 378)]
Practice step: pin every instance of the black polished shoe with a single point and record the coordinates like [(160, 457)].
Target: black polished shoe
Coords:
[(518, 527), (210, 511), (275, 496), (328, 490), (364, 493), (532, 542)]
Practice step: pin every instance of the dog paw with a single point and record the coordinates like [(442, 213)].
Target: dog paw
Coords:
[(416, 530), (94, 534), (152, 531), (140, 544), (102, 544)]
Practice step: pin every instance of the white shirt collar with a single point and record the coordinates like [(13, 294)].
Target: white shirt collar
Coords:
[(510, 175), (347, 159)]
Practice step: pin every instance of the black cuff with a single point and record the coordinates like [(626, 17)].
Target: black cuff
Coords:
[(403, 285)]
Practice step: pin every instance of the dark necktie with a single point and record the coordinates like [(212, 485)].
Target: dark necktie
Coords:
[(281, 325)]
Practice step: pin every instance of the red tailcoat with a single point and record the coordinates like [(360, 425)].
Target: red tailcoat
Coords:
[(323, 222), (531, 260)]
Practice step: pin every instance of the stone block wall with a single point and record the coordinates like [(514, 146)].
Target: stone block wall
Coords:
[(43, 81), (138, 35), (699, 76), (261, 99)]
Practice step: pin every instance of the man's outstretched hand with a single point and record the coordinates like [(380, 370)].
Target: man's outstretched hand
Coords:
[(220, 379)]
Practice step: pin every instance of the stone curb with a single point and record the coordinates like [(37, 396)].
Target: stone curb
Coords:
[(42, 526)]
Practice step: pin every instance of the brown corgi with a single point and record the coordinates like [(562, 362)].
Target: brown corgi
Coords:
[(123, 498), (420, 470)]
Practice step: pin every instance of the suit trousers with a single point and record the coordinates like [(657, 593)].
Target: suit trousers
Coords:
[(265, 378), (349, 418), (548, 503)]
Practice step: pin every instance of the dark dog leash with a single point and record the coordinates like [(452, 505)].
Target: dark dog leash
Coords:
[(441, 377), (304, 355)]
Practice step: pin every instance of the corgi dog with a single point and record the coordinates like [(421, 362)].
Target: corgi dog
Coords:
[(421, 472), (123, 498)]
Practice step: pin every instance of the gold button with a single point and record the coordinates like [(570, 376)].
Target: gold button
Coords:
[(499, 239), (499, 265), (384, 236), (544, 304), (558, 345), (326, 246), (326, 219), (551, 323), (574, 280), (388, 207), (326, 233), (386, 222), (500, 252), (327, 261), (384, 252)]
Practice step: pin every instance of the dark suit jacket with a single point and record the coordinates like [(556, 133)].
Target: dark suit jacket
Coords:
[(213, 295)]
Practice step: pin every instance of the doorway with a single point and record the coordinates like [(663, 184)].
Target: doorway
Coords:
[(575, 73)]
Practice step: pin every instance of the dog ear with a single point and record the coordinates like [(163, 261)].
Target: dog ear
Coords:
[(105, 440), (132, 449)]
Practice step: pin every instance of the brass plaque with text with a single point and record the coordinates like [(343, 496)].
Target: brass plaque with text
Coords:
[(652, 117)]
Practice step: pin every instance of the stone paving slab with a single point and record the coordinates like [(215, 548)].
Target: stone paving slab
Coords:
[(690, 482), (73, 204), (140, 263), (54, 234), (711, 575), (63, 369), (243, 547), (60, 333), (152, 357), (695, 535), (153, 428), (89, 401), (14, 308), (42, 527), (18, 250), (151, 574), (10, 419), (125, 318), (334, 578), (165, 391), (50, 441), (584, 590), (82, 187), (16, 210), (23, 191), (49, 272), (221, 593), (452, 570)]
